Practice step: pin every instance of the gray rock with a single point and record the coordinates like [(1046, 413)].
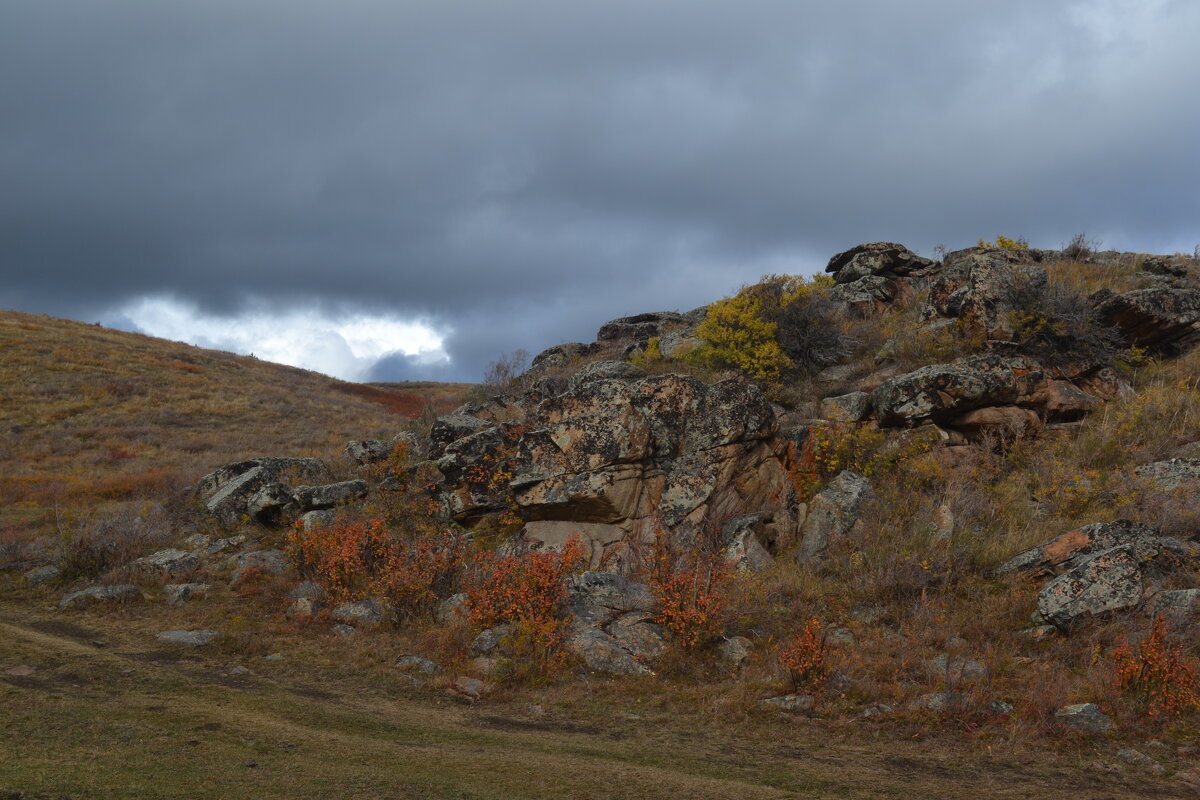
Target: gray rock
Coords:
[(1086, 717), (272, 562), (489, 640), (44, 574), (361, 612), (1172, 474), (307, 590), (221, 545), (853, 407), (313, 520), (453, 427), (229, 491), (270, 503), (877, 710), (1000, 708), (1110, 580), (469, 688), (343, 630), (832, 513), (94, 594), (179, 593), (303, 608), (1076, 547), (317, 498), (638, 634), (168, 563), (1165, 320), (597, 598), (605, 370), (939, 702), (869, 615), (792, 703), (1177, 602), (1137, 758), (187, 638), (452, 610), (603, 653), (956, 669), (369, 451), (735, 651), (417, 664)]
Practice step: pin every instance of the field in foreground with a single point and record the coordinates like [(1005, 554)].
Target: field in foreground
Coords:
[(105, 711)]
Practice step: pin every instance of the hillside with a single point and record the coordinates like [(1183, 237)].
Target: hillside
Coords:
[(916, 525), (94, 416)]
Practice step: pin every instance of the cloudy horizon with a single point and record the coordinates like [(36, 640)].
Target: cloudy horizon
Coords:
[(406, 190)]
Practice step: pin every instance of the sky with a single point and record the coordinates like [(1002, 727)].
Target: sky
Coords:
[(408, 189)]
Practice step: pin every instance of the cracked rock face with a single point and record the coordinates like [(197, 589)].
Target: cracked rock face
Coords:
[(616, 455), (1165, 320)]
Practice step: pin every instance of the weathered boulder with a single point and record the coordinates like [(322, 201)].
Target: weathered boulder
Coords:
[(599, 370), (315, 498), (168, 563), (1164, 320), (489, 639), (369, 451), (101, 594), (877, 258), (1172, 474), (44, 574), (179, 593), (853, 407), (367, 612), (247, 489), (640, 328), (1075, 547), (1110, 580), (612, 625), (832, 513), (453, 427), (270, 562), (1086, 717), (601, 652), (751, 542), (977, 287)]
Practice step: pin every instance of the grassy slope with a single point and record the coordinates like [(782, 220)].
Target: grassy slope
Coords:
[(134, 720), (94, 416)]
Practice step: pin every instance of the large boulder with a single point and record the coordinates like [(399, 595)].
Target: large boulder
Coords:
[(1075, 547), (977, 287), (612, 627), (231, 493), (1164, 320), (832, 513), (877, 258)]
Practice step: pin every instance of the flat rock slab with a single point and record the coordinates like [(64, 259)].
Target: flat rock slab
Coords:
[(187, 638), (98, 594)]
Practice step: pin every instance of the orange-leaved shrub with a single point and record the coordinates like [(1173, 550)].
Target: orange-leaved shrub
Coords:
[(692, 593), (358, 558), (1158, 673), (803, 656), (528, 591)]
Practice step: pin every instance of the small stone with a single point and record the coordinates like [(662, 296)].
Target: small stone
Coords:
[(238, 671), (956, 668), (1086, 717), (938, 702), (308, 590), (187, 638), (869, 615), (361, 612), (487, 641), (1137, 758), (842, 637), (275, 657), (416, 664), (251, 764), (877, 710), (1000, 708), (92, 594), (482, 665), (470, 688), (180, 593), (343, 630), (792, 703), (42, 574), (452, 610), (303, 608), (735, 651), (22, 671), (168, 562)]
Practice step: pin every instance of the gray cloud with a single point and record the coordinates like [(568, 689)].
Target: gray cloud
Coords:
[(521, 172)]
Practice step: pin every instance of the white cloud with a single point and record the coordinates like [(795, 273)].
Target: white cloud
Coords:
[(343, 346)]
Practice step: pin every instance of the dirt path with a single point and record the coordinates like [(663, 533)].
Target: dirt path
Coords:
[(104, 714)]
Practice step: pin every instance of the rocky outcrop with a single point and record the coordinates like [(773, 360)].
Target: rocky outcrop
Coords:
[(101, 594), (993, 392), (617, 456), (833, 513), (612, 628), (255, 488), (1173, 474), (978, 287), (871, 276), (1164, 320), (1100, 569)]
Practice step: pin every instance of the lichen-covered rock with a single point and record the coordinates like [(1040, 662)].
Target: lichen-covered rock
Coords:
[(877, 258), (369, 451), (453, 427), (832, 513), (1172, 474), (1164, 320), (853, 407), (271, 562), (361, 612), (1108, 581), (179, 593), (601, 652), (232, 493), (1075, 547), (976, 287), (167, 563), (315, 498), (1086, 717)]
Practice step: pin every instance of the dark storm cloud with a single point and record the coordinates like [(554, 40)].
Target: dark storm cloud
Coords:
[(523, 171)]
